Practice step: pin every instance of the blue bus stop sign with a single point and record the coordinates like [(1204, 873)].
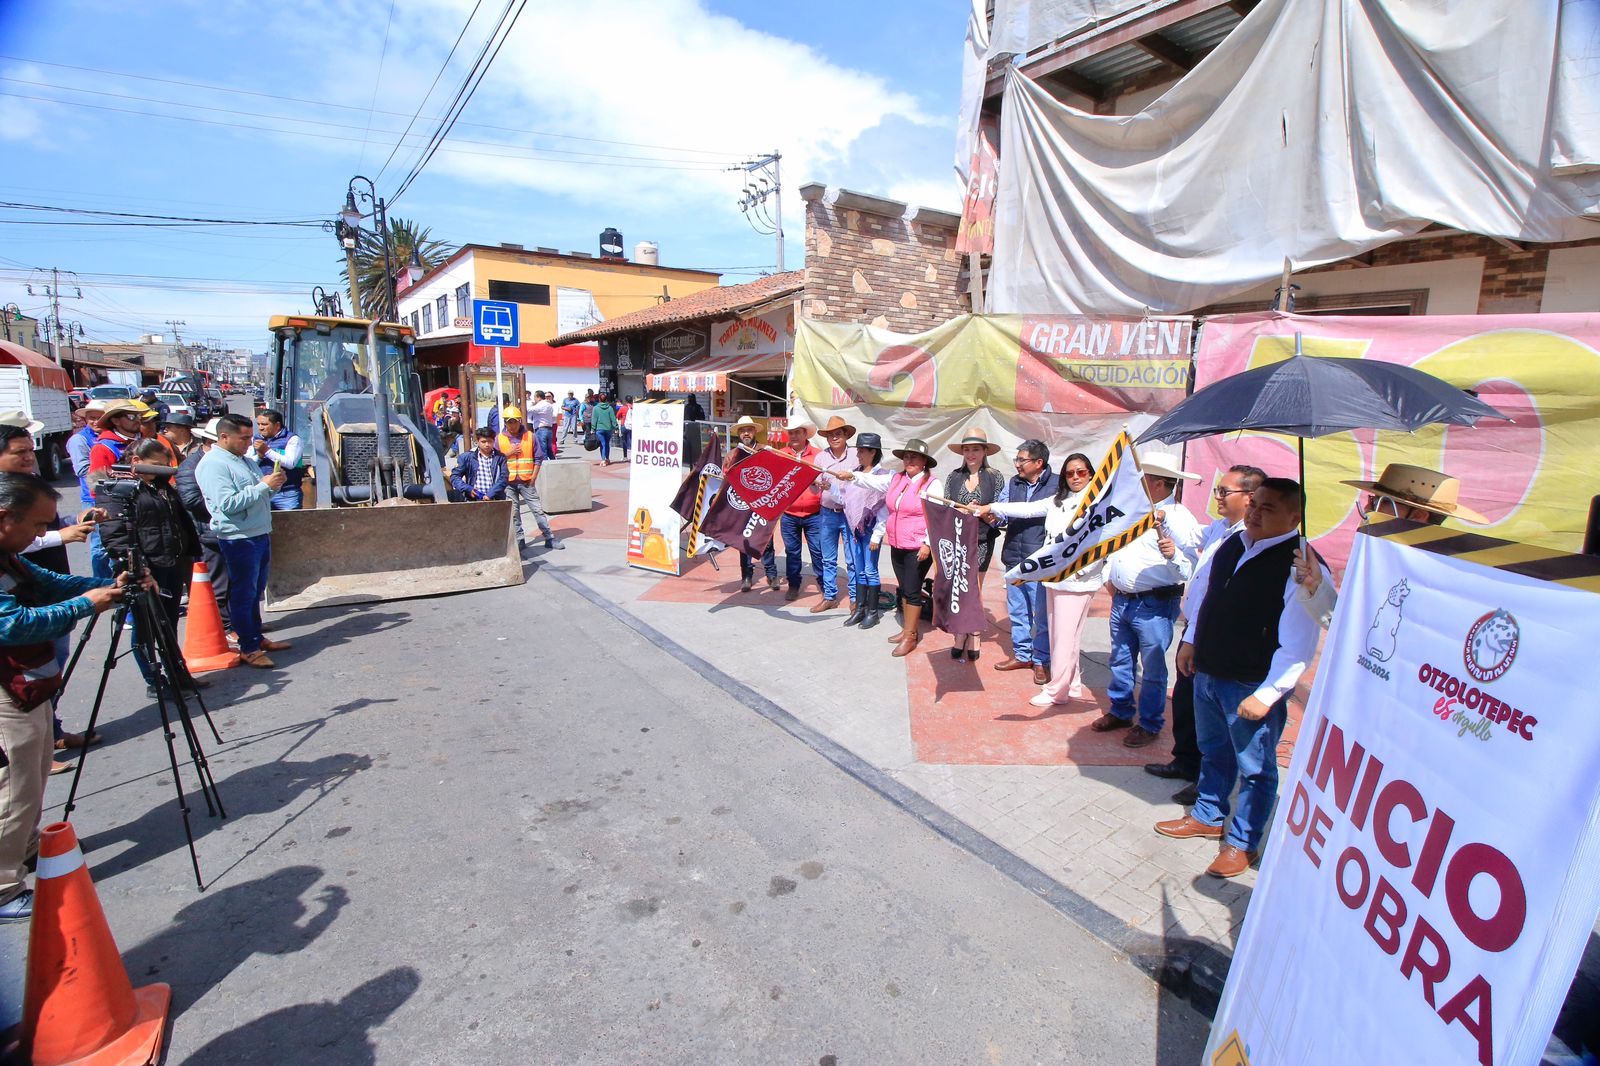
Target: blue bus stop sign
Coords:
[(494, 324)]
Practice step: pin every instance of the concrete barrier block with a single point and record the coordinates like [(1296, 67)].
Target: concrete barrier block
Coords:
[(565, 486)]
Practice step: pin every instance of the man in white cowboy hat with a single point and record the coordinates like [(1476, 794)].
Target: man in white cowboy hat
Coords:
[(801, 517), (746, 434), (838, 455), (1412, 493), (1147, 579)]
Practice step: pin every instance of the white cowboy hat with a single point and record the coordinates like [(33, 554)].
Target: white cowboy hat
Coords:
[(21, 420), (1164, 464), (209, 430)]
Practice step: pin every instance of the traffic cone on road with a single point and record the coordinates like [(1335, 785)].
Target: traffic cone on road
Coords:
[(79, 1006), (205, 645)]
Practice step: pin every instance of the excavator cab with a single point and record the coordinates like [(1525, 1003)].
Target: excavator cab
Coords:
[(382, 527)]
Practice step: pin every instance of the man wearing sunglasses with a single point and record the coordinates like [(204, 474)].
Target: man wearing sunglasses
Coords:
[(1232, 496)]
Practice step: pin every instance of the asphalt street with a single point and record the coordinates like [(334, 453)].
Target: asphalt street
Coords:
[(504, 828)]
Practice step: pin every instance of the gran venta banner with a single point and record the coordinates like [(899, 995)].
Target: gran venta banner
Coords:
[(1433, 870)]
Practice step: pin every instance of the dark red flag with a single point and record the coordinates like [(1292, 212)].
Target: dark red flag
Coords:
[(953, 536), (755, 491)]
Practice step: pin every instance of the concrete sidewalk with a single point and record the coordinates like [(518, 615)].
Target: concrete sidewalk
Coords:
[(1074, 806)]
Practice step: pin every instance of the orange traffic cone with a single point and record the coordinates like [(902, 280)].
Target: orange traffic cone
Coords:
[(205, 646), (79, 1006)]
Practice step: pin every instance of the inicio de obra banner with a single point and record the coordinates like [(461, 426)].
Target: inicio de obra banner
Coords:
[(1433, 869), (655, 472), (1532, 477), (1048, 363)]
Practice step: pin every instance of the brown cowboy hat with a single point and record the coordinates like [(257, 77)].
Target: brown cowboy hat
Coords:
[(975, 435), (837, 423), (916, 447), (1417, 486)]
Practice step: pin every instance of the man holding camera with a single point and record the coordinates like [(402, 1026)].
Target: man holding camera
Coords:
[(239, 500), (36, 606)]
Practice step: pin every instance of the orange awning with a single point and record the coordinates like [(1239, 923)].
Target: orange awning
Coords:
[(42, 372), (711, 375)]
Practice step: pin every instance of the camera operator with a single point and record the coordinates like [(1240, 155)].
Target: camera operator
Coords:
[(48, 550), (146, 513), (36, 606)]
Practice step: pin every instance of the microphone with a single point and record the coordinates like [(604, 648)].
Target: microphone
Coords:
[(155, 469)]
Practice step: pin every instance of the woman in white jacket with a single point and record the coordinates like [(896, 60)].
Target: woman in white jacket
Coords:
[(1069, 599)]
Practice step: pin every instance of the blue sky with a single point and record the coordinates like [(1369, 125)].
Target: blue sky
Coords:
[(605, 113)]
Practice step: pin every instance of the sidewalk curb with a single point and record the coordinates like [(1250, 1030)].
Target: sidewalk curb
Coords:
[(1191, 969)]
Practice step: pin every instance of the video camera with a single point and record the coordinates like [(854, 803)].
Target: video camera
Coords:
[(114, 495)]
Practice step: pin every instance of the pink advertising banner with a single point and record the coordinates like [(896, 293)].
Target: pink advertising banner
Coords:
[(1532, 477)]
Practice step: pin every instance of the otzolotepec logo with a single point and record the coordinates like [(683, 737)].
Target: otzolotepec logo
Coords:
[(1491, 646), (756, 479)]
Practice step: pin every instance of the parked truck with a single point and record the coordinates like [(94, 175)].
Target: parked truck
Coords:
[(41, 393)]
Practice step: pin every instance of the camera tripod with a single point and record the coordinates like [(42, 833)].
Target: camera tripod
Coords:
[(157, 645)]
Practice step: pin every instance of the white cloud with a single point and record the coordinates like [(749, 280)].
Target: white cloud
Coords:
[(667, 72)]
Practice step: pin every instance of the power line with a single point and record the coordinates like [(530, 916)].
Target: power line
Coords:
[(377, 83), (349, 107), (431, 85), (16, 206), (532, 153), (293, 118)]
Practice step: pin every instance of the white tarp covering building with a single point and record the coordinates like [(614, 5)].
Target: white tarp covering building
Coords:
[(1317, 130)]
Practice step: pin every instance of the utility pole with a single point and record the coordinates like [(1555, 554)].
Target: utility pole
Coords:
[(53, 291), (177, 341), (764, 182)]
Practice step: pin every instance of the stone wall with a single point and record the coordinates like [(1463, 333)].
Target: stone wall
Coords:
[(874, 261)]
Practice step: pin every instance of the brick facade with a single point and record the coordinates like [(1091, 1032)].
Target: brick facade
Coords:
[(872, 261)]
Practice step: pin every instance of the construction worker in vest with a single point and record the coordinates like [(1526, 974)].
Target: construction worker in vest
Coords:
[(516, 443)]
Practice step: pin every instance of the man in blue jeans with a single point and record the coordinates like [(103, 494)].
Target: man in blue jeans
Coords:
[(1147, 579), (239, 500), (802, 517), (830, 519), (1248, 647), (1025, 603)]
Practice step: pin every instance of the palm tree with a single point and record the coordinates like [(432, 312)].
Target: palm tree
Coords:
[(404, 238)]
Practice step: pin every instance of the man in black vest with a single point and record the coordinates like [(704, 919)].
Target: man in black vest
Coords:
[(1247, 648), (1025, 602)]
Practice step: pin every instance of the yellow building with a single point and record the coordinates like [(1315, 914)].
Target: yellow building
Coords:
[(555, 293)]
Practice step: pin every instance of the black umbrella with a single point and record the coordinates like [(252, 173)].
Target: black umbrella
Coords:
[(1310, 396)]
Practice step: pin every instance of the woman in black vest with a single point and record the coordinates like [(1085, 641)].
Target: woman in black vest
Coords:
[(975, 483)]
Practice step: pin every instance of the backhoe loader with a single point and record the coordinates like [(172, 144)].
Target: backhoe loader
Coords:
[(382, 527)]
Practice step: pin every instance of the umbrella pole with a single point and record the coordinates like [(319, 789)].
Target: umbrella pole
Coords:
[(1301, 441)]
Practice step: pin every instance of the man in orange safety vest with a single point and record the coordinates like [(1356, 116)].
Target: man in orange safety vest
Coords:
[(516, 443)]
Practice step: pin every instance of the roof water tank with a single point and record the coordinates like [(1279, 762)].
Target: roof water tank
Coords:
[(610, 243), (648, 253)]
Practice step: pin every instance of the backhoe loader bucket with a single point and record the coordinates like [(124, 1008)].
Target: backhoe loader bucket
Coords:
[(342, 555)]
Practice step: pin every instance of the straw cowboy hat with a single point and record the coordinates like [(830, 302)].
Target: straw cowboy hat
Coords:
[(837, 423), (119, 407), (21, 420), (975, 435), (1417, 486), (1164, 464), (916, 447), (746, 422)]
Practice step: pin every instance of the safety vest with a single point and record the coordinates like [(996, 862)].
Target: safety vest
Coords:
[(519, 456)]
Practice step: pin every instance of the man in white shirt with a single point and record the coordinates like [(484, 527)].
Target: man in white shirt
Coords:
[(1146, 581), (1248, 647), (838, 455), (1232, 494), (542, 420)]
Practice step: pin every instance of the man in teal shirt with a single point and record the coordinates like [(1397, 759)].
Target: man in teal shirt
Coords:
[(240, 502)]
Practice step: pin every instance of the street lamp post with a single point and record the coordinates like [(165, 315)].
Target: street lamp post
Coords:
[(351, 216)]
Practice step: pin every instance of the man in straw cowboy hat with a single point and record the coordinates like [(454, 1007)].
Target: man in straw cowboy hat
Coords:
[(1413, 493), (838, 455), (801, 517), (1147, 579)]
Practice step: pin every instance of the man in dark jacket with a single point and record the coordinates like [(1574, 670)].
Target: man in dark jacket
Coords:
[(1025, 602), (481, 474), (194, 501)]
